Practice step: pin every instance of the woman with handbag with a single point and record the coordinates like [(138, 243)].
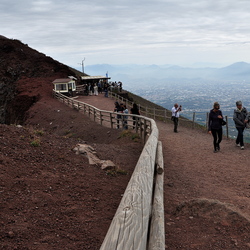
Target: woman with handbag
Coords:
[(215, 125)]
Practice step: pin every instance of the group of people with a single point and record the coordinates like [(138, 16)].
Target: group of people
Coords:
[(215, 122), (95, 88), (101, 86), (241, 118), (121, 108), (116, 85)]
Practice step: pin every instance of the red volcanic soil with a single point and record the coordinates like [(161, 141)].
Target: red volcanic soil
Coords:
[(52, 198)]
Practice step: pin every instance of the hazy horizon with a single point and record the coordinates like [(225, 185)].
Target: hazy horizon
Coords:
[(160, 32)]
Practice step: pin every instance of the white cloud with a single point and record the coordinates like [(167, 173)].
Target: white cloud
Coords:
[(162, 31)]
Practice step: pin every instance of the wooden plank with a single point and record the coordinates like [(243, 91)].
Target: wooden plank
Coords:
[(157, 229), (129, 227)]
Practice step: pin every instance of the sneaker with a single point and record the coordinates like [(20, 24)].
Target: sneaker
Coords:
[(215, 151), (242, 147), (237, 145)]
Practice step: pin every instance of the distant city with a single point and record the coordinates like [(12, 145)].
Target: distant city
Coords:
[(195, 89), (198, 98)]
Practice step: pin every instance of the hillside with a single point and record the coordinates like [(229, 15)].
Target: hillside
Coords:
[(52, 198), (26, 76)]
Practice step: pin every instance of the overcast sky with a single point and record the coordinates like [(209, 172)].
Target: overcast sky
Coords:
[(159, 32)]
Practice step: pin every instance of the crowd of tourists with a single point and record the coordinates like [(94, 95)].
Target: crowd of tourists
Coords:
[(101, 87), (121, 108)]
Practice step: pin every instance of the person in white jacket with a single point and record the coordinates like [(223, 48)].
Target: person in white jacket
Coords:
[(175, 116), (95, 89)]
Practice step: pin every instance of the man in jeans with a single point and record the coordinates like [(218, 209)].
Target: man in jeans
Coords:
[(240, 119), (175, 116)]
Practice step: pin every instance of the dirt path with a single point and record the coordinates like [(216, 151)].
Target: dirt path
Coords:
[(206, 194), (207, 203)]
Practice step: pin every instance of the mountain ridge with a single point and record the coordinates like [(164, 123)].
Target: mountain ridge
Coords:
[(236, 71)]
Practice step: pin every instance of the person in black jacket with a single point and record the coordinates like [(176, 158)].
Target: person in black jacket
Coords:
[(118, 109), (240, 119), (135, 110), (215, 125)]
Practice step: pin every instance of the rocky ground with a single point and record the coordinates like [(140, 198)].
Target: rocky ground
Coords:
[(50, 197)]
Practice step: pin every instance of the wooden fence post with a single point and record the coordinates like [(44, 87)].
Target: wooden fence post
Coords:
[(193, 120), (207, 118), (111, 120), (101, 117), (145, 131), (140, 127), (227, 126), (157, 229), (84, 108)]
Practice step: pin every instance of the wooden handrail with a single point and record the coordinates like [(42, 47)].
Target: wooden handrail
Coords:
[(132, 222)]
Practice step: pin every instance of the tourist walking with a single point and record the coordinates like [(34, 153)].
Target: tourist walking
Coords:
[(175, 116), (135, 110), (106, 90), (240, 119), (118, 109), (95, 89), (125, 117), (215, 125)]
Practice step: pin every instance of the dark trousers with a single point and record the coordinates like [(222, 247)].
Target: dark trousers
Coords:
[(176, 122), (239, 139), (217, 134)]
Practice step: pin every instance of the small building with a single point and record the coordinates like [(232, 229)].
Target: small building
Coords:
[(87, 84), (94, 79), (65, 86)]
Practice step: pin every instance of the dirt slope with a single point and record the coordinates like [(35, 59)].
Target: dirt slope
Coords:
[(51, 198)]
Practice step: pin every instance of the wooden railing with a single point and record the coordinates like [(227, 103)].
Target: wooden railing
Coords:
[(165, 115), (139, 219)]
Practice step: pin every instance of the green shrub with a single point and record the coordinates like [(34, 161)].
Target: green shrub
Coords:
[(130, 134), (36, 143), (39, 132)]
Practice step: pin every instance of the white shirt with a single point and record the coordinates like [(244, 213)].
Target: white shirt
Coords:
[(174, 113)]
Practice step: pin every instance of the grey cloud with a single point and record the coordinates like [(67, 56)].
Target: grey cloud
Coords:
[(142, 28)]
